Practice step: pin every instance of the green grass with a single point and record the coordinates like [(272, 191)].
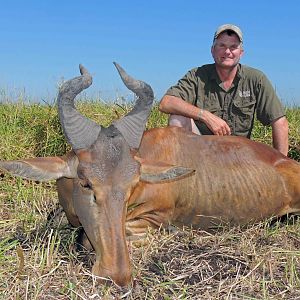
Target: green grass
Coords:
[(264, 134), (38, 259), (34, 130)]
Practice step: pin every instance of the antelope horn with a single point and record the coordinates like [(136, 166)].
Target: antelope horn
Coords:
[(133, 124), (79, 131)]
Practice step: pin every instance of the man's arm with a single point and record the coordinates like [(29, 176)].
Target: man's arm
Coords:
[(280, 130), (176, 106)]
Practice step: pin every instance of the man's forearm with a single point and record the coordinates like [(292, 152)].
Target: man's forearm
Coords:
[(176, 106), (280, 131)]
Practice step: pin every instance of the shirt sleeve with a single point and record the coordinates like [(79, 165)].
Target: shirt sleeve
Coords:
[(269, 107), (186, 88)]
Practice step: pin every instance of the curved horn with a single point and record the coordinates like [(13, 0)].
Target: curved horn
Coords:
[(133, 124), (79, 131)]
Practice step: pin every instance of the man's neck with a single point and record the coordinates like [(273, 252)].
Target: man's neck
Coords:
[(227, 75)]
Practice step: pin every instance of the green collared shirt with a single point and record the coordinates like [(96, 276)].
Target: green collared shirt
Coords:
[(251, 93)]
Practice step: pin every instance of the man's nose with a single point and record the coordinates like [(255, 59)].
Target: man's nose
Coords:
[(227, 50)]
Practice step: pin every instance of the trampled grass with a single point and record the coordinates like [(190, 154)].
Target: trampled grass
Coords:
[(39, 260)]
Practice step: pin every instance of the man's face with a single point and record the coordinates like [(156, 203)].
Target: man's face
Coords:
[(227, 50)]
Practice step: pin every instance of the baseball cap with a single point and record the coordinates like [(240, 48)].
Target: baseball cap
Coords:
[(232, 27)]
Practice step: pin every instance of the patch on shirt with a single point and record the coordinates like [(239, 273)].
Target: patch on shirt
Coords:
[(244, 94)]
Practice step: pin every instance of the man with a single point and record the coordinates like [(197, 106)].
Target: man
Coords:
[(222, 98)]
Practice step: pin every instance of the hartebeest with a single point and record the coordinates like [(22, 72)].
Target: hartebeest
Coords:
[(117, 181)]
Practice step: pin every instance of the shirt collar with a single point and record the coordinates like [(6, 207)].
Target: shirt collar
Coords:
[(214, 75)]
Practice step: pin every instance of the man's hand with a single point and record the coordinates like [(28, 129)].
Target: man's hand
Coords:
[(217, 125)]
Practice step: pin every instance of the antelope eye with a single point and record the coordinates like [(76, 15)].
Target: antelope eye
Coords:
[(86, 184)]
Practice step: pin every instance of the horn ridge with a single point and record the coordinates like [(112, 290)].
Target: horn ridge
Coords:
[(132, 125), (140, 88), (79, 131)]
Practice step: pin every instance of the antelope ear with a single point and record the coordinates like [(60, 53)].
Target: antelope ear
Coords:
[(159, 172), (42, 168)]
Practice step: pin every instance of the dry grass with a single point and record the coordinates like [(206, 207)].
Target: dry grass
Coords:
[(39, 259)]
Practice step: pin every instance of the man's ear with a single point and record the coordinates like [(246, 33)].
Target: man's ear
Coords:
[(159, 172), (242, 52), (42, 168)]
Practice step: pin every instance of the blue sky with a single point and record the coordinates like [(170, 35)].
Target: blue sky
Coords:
[(43, 42)]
